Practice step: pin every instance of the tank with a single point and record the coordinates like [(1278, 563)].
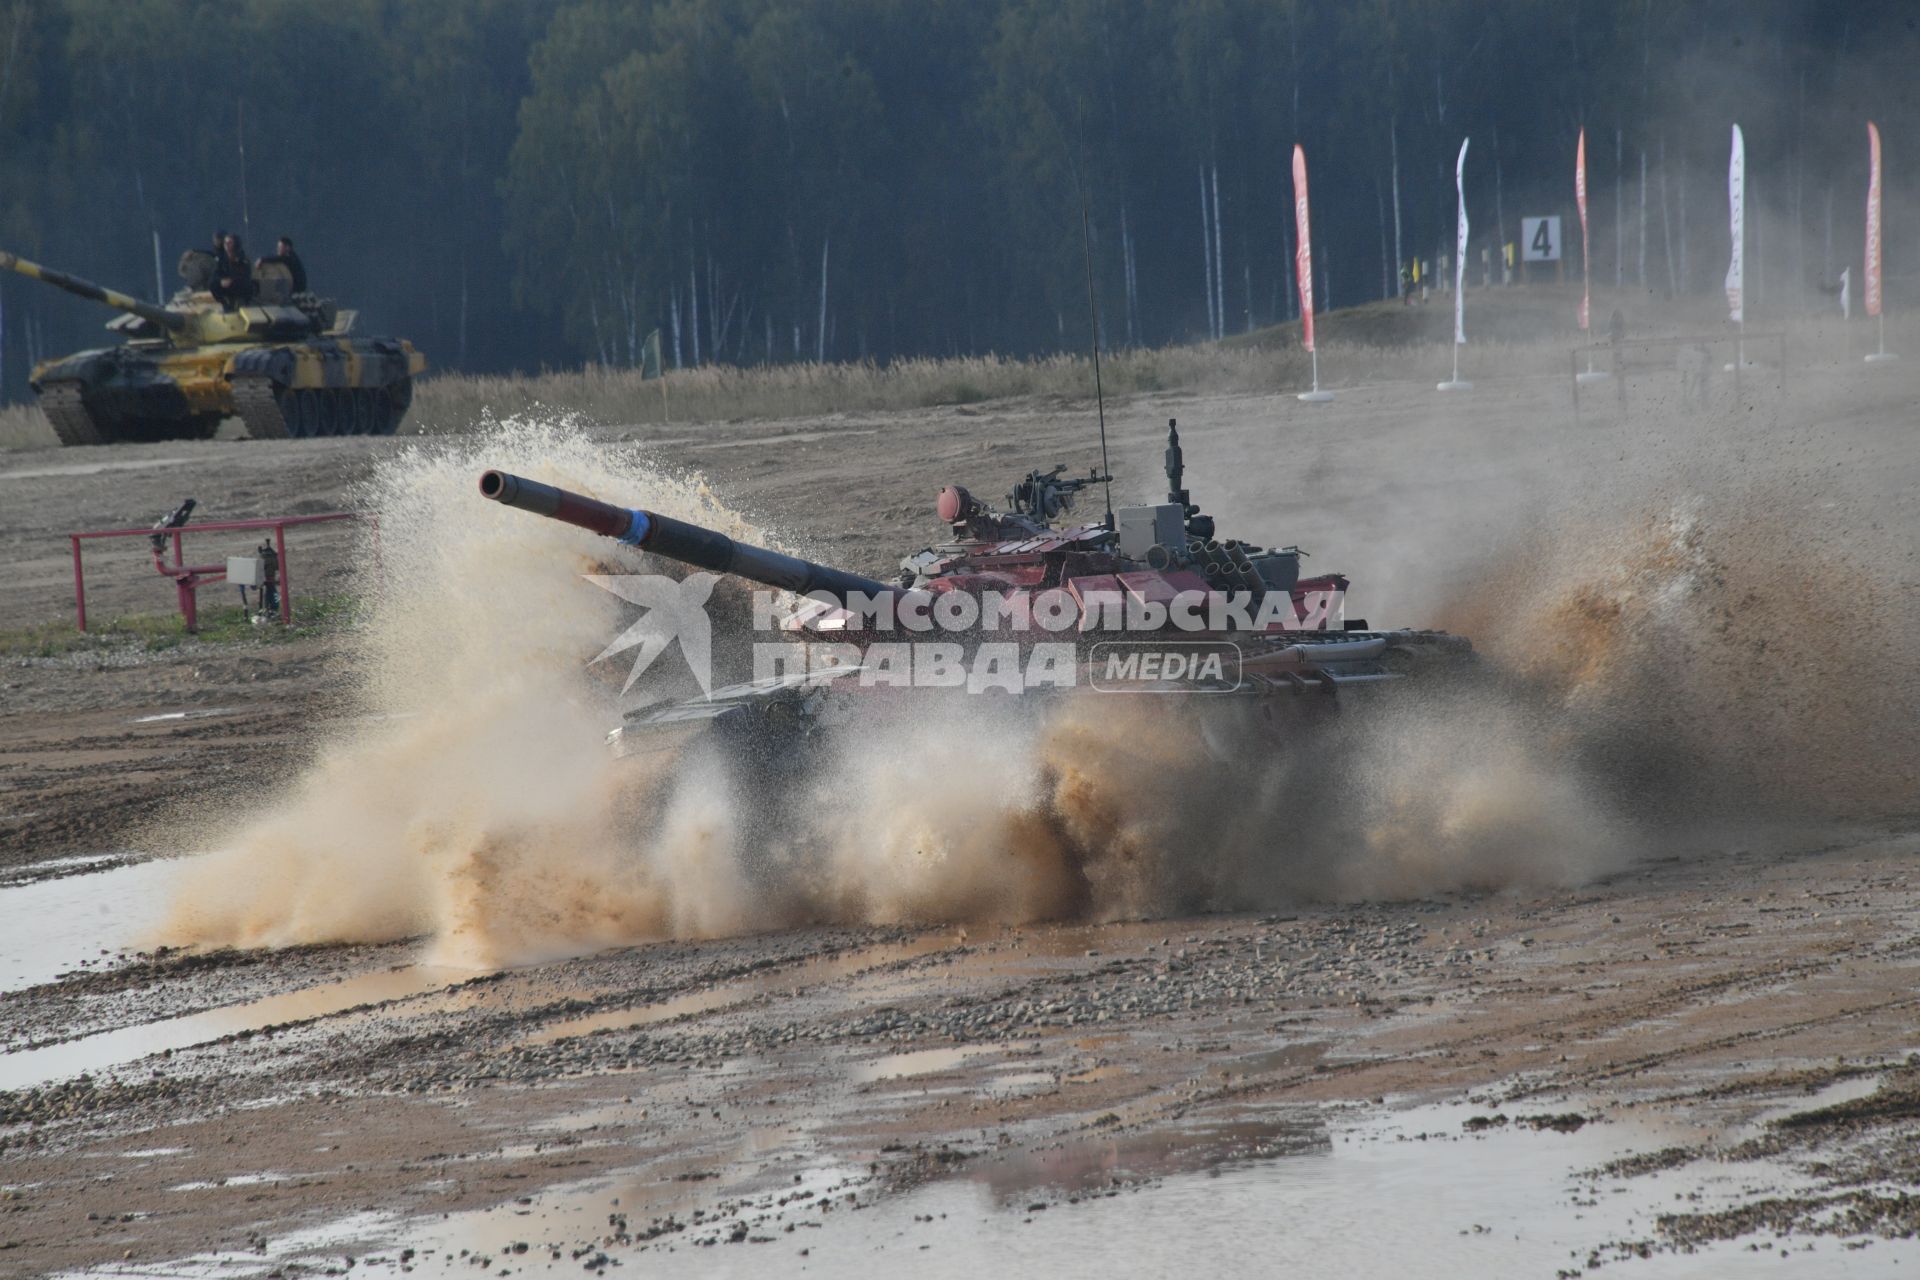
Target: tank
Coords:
[(286, 364), (1146, 599)]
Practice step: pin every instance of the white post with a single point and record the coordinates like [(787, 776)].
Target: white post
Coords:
[(1315, 396), (1881, 353)]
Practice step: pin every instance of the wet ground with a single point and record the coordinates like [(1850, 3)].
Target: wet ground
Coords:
[(1689, 1062), (1704, 1061)]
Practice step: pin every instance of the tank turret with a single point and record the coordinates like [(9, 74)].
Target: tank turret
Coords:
[(284, 363)]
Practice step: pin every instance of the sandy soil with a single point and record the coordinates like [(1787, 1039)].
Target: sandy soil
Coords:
[(1724, 990)]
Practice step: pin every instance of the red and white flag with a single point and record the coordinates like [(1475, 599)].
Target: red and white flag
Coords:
[(1580, 198), (1736, 218), (1873, 219), (1303, 252)]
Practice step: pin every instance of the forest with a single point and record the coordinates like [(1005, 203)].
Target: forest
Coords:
[(526, 184)]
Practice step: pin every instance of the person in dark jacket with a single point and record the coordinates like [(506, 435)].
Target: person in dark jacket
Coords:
[(232, 278), (286, 257)]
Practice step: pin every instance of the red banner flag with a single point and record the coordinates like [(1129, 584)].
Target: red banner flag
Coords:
[(1303, 251), (1580, 198), (1873, 219)]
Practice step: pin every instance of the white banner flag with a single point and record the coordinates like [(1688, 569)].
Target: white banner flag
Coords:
[(1460, 250), (1736, 210), (1846, 293)]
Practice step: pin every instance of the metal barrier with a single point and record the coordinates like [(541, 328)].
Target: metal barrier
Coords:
[(188, 579)]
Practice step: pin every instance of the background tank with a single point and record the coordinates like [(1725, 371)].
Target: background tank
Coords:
[(284, 364)]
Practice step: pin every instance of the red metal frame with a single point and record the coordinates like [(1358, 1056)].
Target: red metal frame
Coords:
[(188, 579)]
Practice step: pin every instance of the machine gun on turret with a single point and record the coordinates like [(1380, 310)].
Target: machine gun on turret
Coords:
[(1047, 495)]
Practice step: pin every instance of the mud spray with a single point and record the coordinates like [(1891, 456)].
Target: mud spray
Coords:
[(474, 802)]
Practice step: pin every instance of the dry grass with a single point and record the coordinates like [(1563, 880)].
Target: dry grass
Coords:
[(1514, 333), (23, 426), (452, 402)]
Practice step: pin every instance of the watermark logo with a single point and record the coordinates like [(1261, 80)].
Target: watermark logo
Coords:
[(674, 611), (1141, 666), (954, 639)]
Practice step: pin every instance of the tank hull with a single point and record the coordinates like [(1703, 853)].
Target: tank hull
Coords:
[(314, 386)]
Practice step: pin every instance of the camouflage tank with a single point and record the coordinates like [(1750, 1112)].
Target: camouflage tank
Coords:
[(285, 364)]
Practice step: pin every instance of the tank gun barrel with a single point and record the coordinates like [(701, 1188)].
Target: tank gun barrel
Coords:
[(678, 540), (92, 292)]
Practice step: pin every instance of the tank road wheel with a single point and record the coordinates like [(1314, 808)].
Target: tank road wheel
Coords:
[(333, 413), (259, 403), (300, 413), (399, 398), (381, 423), (361, 398), (67, 413)]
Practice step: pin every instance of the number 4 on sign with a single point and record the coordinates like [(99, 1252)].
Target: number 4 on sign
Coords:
[(1541, 238)]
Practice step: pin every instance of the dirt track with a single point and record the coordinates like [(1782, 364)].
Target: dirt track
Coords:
[(739, 1092)]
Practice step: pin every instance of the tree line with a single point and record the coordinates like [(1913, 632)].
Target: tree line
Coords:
[(524, 183)]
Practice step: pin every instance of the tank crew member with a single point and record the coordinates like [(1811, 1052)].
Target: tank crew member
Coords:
[(232, 277), (286, 257)]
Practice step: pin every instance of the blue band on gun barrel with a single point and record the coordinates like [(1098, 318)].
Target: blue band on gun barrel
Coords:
[(637, 531)]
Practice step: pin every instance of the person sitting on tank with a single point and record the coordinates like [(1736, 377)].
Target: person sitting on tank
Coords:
[(232, 282), (285, 256)]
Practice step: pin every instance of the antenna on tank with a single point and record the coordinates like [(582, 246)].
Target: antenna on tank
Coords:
[(1093, 329)]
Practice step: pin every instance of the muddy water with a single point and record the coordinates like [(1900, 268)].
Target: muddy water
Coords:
[(24, 1069), (51, 927), (1306, 1193)]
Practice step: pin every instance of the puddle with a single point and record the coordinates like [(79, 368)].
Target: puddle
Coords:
[(1293, 1057), (237, 1180), (792, 978), (52, 925), (1849, 1090), (205, 714), (539, 1232), (1345, 1191), (920, 1062), (30, 1067)]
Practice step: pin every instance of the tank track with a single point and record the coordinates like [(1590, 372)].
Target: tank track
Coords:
[(67, 413), (259, 408), (273, 413)]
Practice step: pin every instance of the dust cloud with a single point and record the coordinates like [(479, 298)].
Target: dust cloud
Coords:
[(1641, 671)]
